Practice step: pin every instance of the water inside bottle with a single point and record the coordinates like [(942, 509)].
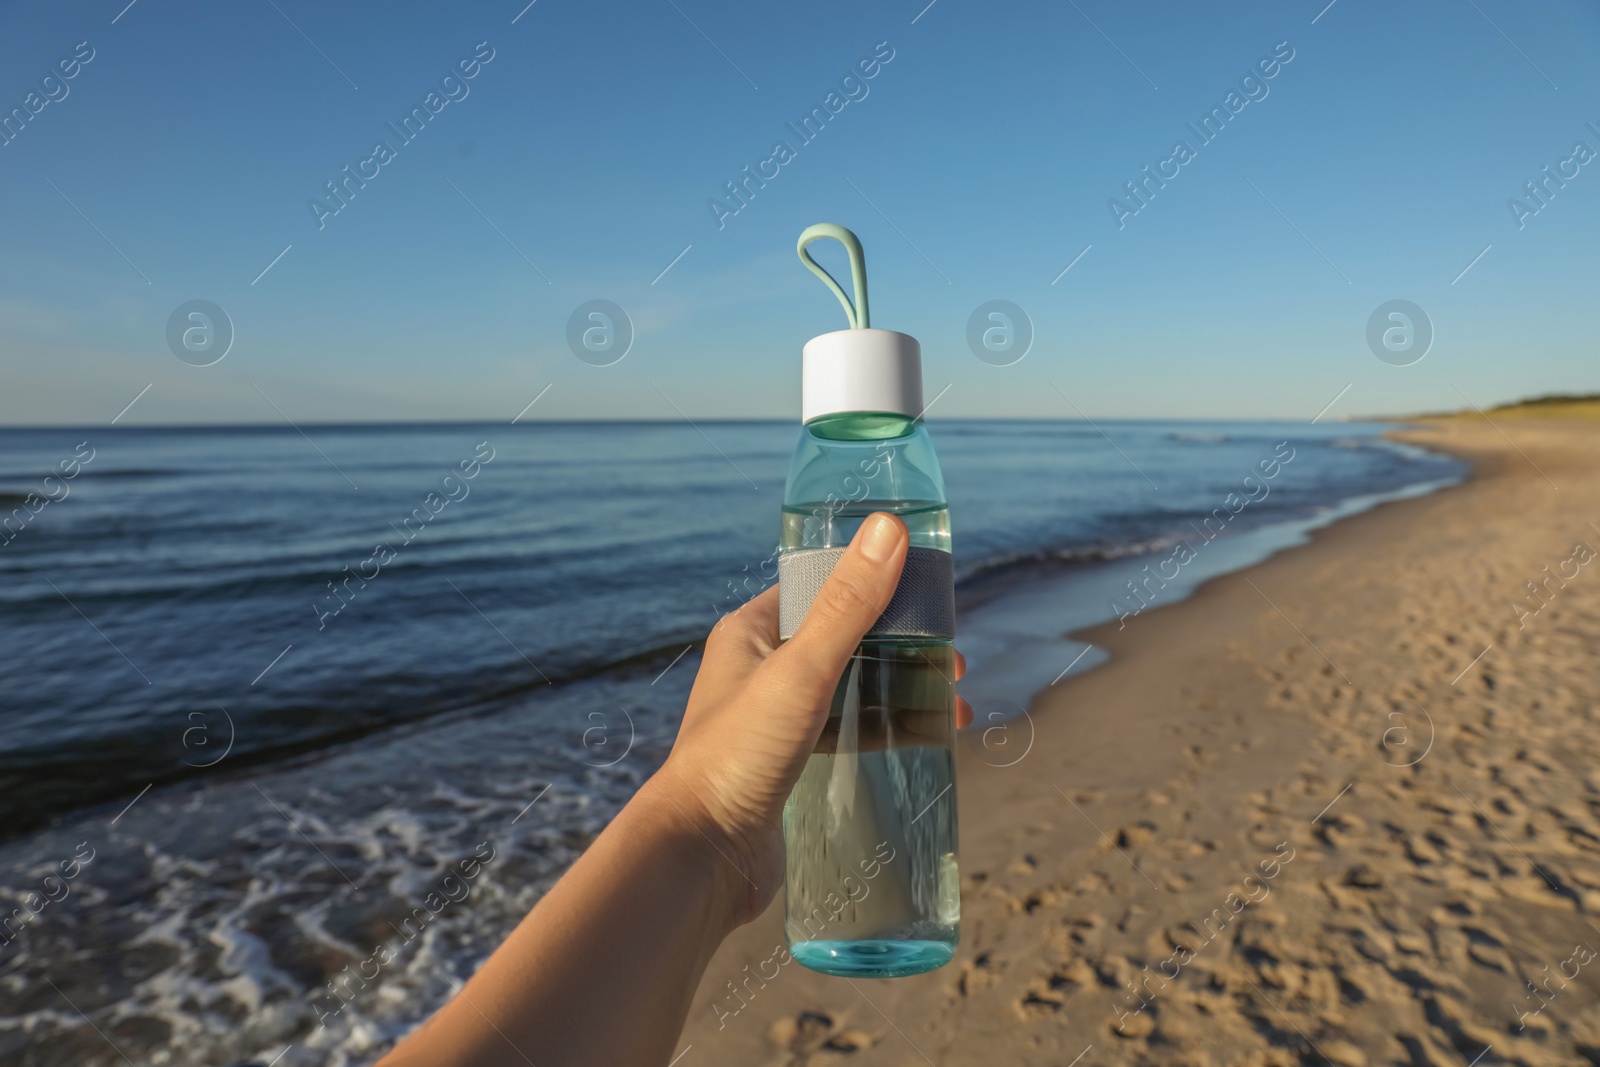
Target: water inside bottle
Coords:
[(873, 887)]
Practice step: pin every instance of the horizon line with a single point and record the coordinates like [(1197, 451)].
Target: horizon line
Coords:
[(717, 420)]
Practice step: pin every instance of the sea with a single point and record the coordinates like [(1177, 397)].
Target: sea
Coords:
[(267, 691)]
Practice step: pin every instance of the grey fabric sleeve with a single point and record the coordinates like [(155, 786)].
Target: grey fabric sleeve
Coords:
[(923, 605)]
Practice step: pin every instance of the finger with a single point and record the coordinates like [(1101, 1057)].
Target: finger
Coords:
[(961, 666), (963, 714), (850, 601), (736, 646), (752, 627)]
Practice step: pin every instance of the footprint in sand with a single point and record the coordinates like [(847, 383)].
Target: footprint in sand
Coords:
[(813, 1032)]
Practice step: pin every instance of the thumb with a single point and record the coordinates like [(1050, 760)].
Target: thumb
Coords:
[(863, 581)]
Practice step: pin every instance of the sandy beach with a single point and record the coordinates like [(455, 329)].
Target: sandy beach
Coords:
[(1343, 806)]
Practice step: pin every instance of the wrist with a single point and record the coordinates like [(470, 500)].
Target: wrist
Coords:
[(718, 862)]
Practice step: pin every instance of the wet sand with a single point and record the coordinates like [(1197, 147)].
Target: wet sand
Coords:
[(1341, 807)]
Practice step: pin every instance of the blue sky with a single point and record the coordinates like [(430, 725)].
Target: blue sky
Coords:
[(976, 164)]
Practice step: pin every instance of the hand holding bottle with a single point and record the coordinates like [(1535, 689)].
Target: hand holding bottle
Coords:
[(603, 968), (757, 708)]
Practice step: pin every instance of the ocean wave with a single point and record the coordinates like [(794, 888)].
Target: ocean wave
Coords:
[(1067, 555), (233, 903)]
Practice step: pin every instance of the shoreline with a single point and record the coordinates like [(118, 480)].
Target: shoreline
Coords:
[(1043, 623), (1321, 710), (1303, 533)]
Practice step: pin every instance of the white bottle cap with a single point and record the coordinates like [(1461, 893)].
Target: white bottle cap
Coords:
[(861, 370)]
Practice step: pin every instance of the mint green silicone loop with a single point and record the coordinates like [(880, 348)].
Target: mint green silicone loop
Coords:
[(859, 315)]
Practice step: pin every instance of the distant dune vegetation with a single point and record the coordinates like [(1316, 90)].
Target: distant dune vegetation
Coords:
[(1553, 406)]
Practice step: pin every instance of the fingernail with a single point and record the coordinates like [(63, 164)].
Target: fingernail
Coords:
[(880, 538)]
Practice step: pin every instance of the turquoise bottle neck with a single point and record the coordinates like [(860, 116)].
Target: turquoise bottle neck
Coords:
[(862, 426)]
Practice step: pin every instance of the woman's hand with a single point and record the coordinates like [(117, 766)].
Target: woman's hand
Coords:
[(758, 707)]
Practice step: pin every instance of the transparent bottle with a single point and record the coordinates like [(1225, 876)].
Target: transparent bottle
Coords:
[(872, 887)]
